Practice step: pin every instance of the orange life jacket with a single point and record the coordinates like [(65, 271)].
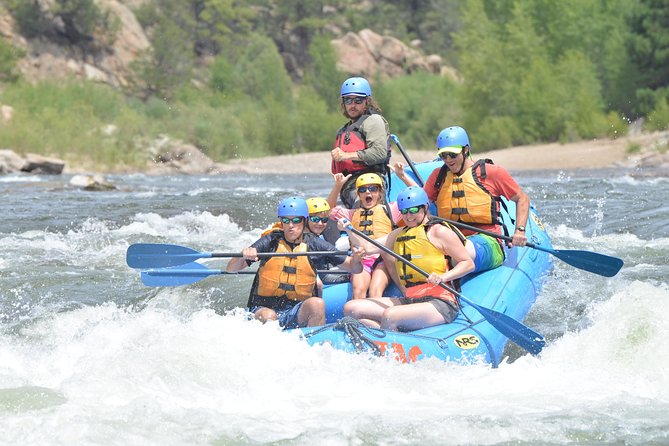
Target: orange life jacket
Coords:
[(293, 278), (464, 198), (375, 222)]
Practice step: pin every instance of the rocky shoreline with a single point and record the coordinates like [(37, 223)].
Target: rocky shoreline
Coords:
[(650, 158)]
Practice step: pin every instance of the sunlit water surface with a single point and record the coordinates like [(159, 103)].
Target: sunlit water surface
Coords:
[(88, 355)]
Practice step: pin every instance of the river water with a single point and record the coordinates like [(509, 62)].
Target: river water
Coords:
[(88, 355)]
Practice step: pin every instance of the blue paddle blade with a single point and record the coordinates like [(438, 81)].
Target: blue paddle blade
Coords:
[(158, 255), (175, 276), (520, 334), (593, 262)]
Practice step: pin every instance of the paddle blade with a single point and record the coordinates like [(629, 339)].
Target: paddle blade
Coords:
[(176, 276), (518, 333), (158, 255), (593, 262)]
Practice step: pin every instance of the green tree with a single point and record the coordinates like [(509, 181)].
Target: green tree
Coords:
[(220, 24), (322, 74), (8, 58), (170, 60), (649, 51), (77, 21)]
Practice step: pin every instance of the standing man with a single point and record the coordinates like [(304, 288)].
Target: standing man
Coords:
[(470, 192), (362, 145), (285, 288)]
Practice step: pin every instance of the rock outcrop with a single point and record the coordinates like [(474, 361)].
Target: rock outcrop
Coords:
[(364, 53), (108, 63), (11, 162), (93, 183), (370, 55), (177, 157)]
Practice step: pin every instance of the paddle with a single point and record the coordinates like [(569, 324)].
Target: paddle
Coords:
[(396, 140), (522, 335), (593, 262), (158, 255), (193, 272)]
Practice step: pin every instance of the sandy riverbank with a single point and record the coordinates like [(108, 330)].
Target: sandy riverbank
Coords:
[(594, 154)]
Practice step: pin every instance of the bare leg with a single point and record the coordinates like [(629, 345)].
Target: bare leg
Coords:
[(369, 311), (380, 280), (411, 317), (360, 284), (312, 312), (265, 314), (319, 285)]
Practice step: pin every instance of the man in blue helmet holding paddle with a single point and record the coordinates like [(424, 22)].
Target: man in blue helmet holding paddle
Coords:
[(285, 288)]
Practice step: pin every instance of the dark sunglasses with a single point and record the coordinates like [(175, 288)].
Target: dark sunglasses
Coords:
[(451, 155), (413, 210), (296, 220), (349, 101), (316, 219), (372, 188)]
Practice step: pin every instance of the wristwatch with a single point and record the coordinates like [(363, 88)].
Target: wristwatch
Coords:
[(520, 228)]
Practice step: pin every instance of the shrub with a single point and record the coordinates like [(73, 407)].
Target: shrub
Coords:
[(418, 106), (658, 119), (8, 57)]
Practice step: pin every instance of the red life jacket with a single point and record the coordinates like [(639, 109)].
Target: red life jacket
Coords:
[(351, 139)]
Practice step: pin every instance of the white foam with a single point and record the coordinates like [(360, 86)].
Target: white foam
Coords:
[(171, 365)]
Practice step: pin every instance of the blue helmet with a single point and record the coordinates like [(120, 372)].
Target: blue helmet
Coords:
[(452, 139), (410, 197), (356, 86), (293, 207)]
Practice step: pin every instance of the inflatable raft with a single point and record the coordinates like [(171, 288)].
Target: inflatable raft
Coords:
[(510, 289)]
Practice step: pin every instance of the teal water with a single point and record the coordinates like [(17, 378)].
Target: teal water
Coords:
[(88, 355)]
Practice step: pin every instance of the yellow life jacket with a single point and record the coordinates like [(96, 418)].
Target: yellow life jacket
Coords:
[(374, 222), (293, 278), (413, 245), (464, 198)]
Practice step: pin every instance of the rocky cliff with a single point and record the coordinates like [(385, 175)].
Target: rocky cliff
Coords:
[(364, 53)]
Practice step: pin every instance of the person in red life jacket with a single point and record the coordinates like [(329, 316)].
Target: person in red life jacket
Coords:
[(437, 248), (284, 288), (469, 191), (362, 145), (374, 218)]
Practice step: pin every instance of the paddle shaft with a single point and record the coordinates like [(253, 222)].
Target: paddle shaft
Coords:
[(262, 255), (194, 272), (396, 140), (181, 272), (522, 335), (158, 255), (593, 262), (483, 231)]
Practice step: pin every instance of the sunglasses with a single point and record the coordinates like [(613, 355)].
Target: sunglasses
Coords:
[(451, 155), (349, 101), (316, 219), (413, 210), (372, 188), (288, 220)]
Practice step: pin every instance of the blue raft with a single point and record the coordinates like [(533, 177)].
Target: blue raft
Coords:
[(510, 289)]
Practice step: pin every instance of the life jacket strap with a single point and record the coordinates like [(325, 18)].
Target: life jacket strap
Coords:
[(286, 287)]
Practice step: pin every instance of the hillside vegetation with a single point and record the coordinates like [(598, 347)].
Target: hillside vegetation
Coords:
[(258, 77)]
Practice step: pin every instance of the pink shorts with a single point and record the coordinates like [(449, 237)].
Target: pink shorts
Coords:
[(368, 263)]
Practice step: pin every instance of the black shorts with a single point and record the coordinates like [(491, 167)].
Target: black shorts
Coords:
[(446, 309)]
